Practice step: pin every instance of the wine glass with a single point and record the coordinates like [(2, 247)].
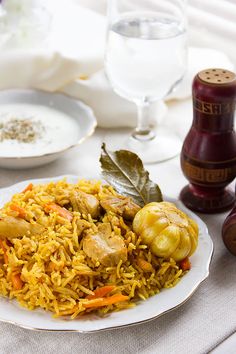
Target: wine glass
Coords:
[(145, 59)]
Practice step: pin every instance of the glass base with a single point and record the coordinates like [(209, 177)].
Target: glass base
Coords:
[(163, 146)]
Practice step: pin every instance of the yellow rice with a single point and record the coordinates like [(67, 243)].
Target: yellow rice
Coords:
[(56, 273)]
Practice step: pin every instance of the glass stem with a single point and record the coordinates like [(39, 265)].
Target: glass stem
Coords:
[(143, 131)]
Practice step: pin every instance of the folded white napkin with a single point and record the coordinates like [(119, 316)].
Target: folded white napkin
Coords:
[(71, 61)]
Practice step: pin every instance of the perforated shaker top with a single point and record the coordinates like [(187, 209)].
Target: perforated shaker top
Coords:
[(217, 76)]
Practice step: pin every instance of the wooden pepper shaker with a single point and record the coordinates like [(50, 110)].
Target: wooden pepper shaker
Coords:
[(229, 230), (208, 157)]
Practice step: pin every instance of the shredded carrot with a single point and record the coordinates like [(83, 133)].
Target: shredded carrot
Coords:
[(28, 188), (4, 248), (63, 212), (17, 282), (21, 212), (100, 302), (52, 266), (144, 265), (185, 264), (101, 292)]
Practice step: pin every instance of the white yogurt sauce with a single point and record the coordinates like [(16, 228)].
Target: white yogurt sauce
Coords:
[(60, 130)]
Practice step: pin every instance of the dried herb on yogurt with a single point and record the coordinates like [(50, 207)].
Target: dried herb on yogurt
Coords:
[(21, 130)]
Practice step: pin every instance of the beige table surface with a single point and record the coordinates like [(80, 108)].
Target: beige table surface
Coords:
[(205, 320)]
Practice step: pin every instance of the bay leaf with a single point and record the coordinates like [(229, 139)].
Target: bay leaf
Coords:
[(124, 170)]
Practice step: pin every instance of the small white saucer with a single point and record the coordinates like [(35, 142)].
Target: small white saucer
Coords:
[(67, 123)]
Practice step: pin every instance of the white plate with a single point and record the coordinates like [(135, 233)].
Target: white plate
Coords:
[(166, 300), (67, 122)]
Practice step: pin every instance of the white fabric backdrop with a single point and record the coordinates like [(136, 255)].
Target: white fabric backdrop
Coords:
[(211, 22), (74, 47)]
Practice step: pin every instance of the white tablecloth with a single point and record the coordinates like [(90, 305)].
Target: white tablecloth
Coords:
[(198, 326), (206, 319)]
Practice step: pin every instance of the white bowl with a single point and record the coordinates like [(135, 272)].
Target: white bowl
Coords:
[(73, 123)]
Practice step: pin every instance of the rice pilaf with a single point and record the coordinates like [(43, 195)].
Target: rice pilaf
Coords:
[(49, 267)]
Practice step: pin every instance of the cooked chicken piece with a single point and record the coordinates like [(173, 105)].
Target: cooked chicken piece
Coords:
[(123, 206), (11, 227), (104, 247), (85, 203), (82, 225)]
